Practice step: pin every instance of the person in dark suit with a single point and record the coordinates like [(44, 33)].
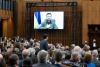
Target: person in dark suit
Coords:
[(13, 60), (94, 45), (48, 23), (42, 59), (44, 42)]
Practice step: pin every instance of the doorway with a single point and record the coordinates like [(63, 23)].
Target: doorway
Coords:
[(94, 33)]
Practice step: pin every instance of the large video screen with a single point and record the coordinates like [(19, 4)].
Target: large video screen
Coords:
[(49, 20)]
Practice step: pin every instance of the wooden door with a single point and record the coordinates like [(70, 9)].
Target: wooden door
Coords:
[(94, 33)]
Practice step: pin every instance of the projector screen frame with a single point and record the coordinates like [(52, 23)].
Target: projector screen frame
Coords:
[(57, 17)]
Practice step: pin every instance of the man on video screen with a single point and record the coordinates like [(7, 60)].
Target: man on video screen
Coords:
[(48, 23)]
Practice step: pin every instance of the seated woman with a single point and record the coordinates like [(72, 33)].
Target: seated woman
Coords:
[(87, 61)]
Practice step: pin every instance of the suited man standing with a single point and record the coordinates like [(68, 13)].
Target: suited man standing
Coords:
[(44, 42)]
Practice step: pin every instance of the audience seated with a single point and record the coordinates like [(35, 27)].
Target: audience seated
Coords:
[(20, 52)]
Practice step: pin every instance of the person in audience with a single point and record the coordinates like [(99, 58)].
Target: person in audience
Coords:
[(94, 44), (95, 59), (34, 59), (75, 59), (27, 62), (58, 46), (87, 60), (17, 39), (44, 42), (31, 41), (78, 50), (2, 61), (9, 51), (72, 47), (51, 56), (66, 60), (25, 54), (31, 50), (99, 54), (13, 60), (42, 59), (37, 47), (58, 59), (86, 50)]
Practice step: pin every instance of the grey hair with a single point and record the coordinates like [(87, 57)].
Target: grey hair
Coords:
[(95, 52), (42, 56), (74, 54)]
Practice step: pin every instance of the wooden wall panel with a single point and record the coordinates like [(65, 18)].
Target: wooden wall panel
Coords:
[(7, 27), (60, 36), (7, 23), (10, 27), (5, 14), (20, 17), (89, 11), (4, 28), (91, 15), (66, 36)]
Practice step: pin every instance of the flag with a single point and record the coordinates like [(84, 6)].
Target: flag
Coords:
[(38, 17)]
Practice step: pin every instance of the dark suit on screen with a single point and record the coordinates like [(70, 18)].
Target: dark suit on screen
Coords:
[(52, 25)]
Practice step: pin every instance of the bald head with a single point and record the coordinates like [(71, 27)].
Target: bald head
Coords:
[(25, 52), (1, 56), (94, 54)]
